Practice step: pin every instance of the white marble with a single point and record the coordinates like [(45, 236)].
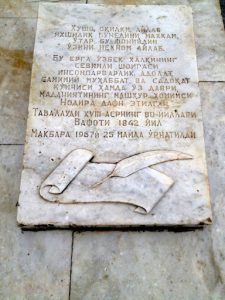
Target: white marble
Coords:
[(165, 264), (209, 33), (156, 122), (210, 44), (131, 181), (162, 265)]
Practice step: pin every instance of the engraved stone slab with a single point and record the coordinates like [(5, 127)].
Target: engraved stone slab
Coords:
[(209, 35), (199, 254), (114, 134)]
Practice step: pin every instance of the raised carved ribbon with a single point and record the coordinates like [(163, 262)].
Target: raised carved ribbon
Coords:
[(130, 181)]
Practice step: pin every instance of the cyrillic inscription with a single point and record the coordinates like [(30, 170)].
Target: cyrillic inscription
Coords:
[(115, 133)]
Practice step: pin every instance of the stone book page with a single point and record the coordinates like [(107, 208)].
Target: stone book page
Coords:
[(114, 133)]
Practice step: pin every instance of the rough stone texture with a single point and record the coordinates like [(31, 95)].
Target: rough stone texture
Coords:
[(210, 40), (213, 95), (33, 265), (162, 265), (18, 8), (16, 52), (24, 8), (209, 33), (144, 265)]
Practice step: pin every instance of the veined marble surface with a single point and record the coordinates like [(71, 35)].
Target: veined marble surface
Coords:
[(210, 44), (161, 264), (152, 80)]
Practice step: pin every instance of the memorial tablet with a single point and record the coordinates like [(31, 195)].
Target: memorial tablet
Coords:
[(114, 133)]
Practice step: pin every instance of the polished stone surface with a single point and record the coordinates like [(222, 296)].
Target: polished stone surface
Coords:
[(162, 265), (210, 55), (33, 265), (209, 33), (114, 183), (210, 272)]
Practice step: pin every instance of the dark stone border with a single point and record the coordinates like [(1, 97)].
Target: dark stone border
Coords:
[(222, 4)]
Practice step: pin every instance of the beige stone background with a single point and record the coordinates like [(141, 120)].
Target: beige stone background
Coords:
[(109, 265)]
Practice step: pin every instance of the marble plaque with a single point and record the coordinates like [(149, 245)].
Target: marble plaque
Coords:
[(114, 133)]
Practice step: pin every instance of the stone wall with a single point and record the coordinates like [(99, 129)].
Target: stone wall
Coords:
[(115, 265)]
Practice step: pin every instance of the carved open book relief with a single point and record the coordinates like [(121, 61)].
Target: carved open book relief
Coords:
[(114, 132)]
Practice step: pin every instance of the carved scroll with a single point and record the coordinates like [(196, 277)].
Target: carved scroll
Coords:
[(130, 181)]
